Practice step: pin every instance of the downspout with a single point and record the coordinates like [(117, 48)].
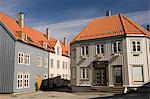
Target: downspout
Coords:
[(147, 59), (48, 68)]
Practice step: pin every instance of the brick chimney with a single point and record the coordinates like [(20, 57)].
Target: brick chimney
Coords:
[(21, 20), (48, 33), (65, 42)]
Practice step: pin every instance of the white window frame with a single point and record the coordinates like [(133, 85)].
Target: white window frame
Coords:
[(135, 81), (100, 48), (52, 63), (84, 76), (20, 80), (117, 46), (45, 62), (39, 61), (85, 50), (26, 80), (58, 50), (24, 37), (45, 45), (63, 64), (27, 59), (136, 46), (20, 58), (58, 64)]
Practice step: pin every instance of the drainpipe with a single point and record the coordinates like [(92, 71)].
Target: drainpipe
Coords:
[(48, 69), (147, 60)]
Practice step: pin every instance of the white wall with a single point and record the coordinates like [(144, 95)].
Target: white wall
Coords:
[(142, 59), (60, 70)]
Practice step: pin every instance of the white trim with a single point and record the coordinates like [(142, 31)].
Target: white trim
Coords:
[(39, 61), (27, 80), (28, 59), (45, 62), (20, 79), (20, 57)]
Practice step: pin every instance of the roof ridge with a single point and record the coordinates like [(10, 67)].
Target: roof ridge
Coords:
[(126, 18), (120, 15)]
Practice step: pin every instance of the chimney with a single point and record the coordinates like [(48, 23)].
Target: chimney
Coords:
[(108, 13), (47, 33), (21, 20), (65, 42), (148, 28)]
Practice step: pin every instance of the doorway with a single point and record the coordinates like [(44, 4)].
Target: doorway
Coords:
[(117, 75)]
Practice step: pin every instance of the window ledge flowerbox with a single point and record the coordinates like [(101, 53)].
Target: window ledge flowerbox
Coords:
[(116, 54), (99, 55), (84, 56)]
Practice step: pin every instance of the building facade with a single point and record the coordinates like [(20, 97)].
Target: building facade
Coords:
[(111, 51), (24, 56), (60, 60)]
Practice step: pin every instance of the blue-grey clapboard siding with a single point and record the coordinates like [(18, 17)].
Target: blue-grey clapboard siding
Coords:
[(7, 52), (32, 68)]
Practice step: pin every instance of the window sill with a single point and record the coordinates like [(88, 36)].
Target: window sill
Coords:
[(84, 56), (84, 79), (99, 55)]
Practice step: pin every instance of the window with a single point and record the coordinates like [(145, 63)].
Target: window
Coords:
[(137, 74), (45, 45), (84, 73), (58, 50), (19, 80), (84, 50), (136, 46), (27, 59), (20, 58), (45, 62), (39, 61), (63, 65), (66, 65), (24, 37), (26, 80), (99, 48), (52, 63), (57, 64), (52, 75), (117, 46)]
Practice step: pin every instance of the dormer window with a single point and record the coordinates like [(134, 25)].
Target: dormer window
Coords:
[(24, 37), (45, 45)]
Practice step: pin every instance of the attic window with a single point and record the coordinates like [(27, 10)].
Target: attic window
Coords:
[(45, 45), (24, 37)]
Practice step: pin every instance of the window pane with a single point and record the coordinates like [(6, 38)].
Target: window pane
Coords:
[(133, 46), (119, 46), (114, 47), (102, 48), (137, 73), (82, 51), (97, 49), (138, 46), (87, 50)]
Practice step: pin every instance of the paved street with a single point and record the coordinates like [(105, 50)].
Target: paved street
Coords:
[(65, 95)]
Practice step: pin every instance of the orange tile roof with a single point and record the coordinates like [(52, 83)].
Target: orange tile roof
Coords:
[(110, 26), (65, 50), (35, 36)]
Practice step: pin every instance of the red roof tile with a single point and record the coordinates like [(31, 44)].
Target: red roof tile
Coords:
[(110, 26)]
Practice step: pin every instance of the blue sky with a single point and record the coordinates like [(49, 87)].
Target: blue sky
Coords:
[(69, 17)]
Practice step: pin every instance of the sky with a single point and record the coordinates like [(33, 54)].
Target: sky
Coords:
[(67, 18)]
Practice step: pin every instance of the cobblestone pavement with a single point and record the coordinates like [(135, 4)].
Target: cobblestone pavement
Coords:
[(55, 95), (81, 95)]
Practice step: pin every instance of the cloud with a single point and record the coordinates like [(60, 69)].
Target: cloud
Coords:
[(72, 28)]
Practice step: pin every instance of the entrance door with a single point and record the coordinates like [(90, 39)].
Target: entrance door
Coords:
[(100, 76), (117, 75)]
